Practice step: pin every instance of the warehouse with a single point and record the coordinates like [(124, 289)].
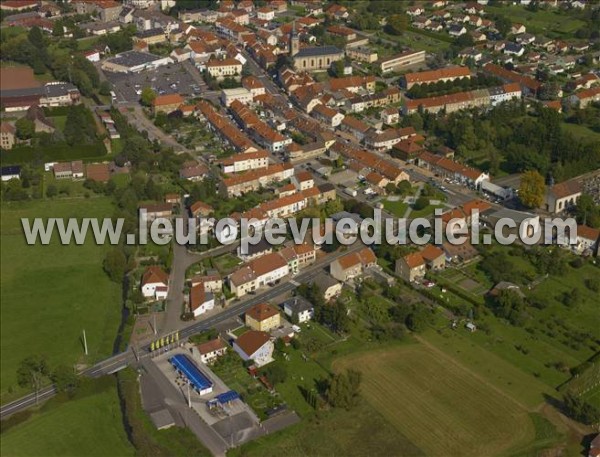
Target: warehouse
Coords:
[(134, 62)]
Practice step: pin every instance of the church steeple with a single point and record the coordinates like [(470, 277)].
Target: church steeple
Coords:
[(294, 41)]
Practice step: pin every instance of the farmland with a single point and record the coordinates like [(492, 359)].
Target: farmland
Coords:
[(441, 407), (54, 287)]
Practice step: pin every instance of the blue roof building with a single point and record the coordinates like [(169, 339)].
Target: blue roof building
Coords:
[(188, 368)]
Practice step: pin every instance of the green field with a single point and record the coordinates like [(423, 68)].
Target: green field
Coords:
[(358, 433), (397, 207), (90, 426), (49, 294), (441, 406), (550, 22), (581, 131)]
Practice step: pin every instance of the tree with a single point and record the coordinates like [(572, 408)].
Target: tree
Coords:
[(32, 372), (532, 189), (503, 25), (276, 373), (397, 24), (64, 379), (36, 37), (344, 389), (148, 96), (57, 29), (421, 203), (104, 88), (115, 264), (416, 321), (25, 128), (51, 191)]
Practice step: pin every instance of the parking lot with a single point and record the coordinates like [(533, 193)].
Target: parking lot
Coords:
[(169, 79)]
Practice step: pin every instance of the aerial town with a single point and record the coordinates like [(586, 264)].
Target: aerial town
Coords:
[(478, 119)]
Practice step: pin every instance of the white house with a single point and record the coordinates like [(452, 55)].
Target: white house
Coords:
[(211, 350), (155, 283), (255, 345), (299, 308), (201, 301), (587, 239)]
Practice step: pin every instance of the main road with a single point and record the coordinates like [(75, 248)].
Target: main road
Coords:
[(132, 355)]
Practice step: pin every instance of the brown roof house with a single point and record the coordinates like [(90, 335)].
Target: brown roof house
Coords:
[(155, 283), (411, 267), (256, 346), (211, 350), (353, 265), (201, 301), (263, 317)]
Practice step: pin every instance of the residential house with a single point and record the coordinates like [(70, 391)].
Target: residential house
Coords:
[(588, 239), (299, 309), (256, 346), (7, 136), (155, 283), (328, 286), (411, 267), (434, 257), (201, 301), (263, 317), (211, 350), (327, 115), (258, 273), (352, 265)]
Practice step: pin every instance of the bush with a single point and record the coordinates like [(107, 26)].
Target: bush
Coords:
[(421, 203)]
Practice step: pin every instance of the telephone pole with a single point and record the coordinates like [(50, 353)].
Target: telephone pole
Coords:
[(85, 343)]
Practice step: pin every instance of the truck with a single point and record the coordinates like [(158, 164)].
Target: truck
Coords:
[(350, 191)]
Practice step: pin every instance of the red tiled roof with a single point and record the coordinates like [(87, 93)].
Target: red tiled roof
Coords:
[(211, 346), (170, 99), (252, 341), (261, 312), (414, 260), (155, 274)]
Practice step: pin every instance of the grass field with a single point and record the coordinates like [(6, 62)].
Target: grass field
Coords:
[(581, 131), (397, 207), (49, 294), (440, 406), (90, 426), (548, 22), (358, 433)]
